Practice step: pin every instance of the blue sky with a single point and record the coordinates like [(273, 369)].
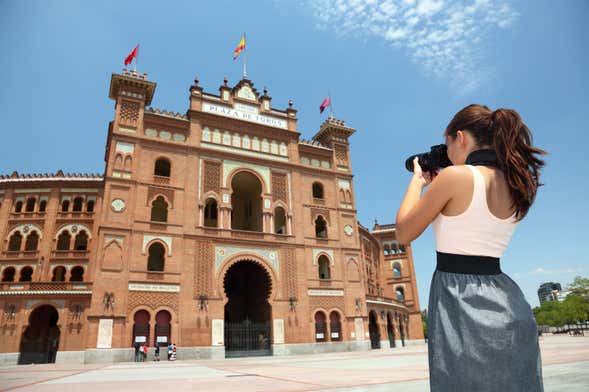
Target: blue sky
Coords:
[(397, 71)]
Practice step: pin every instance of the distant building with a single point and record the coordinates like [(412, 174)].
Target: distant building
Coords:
[(560, 295), (549, 291)]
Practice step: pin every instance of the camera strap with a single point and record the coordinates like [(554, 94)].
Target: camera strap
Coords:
[(484, 157)]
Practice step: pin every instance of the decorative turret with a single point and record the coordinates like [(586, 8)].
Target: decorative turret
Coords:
[(131, 91), (334, 134)]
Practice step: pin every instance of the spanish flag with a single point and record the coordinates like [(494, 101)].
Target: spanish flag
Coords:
[(239, 48)]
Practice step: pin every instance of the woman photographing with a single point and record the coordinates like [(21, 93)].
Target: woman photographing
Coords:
[(482, 335)]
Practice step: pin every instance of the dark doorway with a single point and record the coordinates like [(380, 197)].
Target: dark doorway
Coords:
[(247, 312), (390, 330), (162, 328), (40, 341), (246, 202), (373, 330), (141, 327)]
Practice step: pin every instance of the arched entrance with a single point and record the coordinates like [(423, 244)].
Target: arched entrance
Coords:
[(141, 327), (162, 328), (40, 341), (247, 311), (373, 330), (390, 330)]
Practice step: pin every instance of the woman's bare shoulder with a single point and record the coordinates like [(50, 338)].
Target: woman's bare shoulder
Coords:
[(456, 173)]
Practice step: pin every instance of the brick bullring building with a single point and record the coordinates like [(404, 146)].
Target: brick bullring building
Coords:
[(219, 230)]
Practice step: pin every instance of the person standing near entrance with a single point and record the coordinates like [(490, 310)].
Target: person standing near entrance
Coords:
[(482, 335), (157, 353), (137, 347), (144, 351)]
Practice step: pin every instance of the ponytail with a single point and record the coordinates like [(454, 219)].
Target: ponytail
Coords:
[(519, 160), (517, 157)]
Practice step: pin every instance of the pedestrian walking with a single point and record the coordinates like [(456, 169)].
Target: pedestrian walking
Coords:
[(482, 335), (144, 351), (170, 349), (157, 353)]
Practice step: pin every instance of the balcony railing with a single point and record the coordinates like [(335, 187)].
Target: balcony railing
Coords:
[(27, 215), (20, 254), (387, 300), (161, 180), (18, 288), (70, 254), (75, 215)]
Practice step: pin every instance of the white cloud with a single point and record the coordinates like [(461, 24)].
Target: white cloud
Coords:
[(442, 36), (542, 271)]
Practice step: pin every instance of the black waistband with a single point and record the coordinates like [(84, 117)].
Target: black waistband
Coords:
[(463, 264)]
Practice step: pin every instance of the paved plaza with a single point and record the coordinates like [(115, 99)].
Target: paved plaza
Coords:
[(565, 363)]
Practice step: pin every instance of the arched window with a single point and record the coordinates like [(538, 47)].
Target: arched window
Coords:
[(30, 207), (396, 270), (162, 167), (8, 274), (402, 248), (18, 206), (211, 213), (90, 206), (246, 202), (335, 326), (320, 227), (26, 274), (78, 203), (141, 327), (58, 274), (81, 242), (317, 190), (400, 294), (15, 242), (159, 210), (162, 328), (387, 250), (279, 220), (156, 258), (323, 264), (42, 205), (65, 206), (77, 274), (32, 241), (63, 241), (320, 327)]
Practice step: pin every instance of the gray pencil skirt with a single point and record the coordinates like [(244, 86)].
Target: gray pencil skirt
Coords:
[(482, 335)]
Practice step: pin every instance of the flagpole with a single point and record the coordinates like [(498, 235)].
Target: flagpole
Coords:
[(330, 105), (244, 57), (135, 63)]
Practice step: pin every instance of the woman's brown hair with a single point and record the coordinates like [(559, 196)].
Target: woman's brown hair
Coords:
[(504, 131)]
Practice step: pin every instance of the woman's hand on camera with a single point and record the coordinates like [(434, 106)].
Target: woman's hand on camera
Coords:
[(424, 178)]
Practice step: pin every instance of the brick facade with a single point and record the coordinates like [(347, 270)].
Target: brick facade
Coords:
[(346, 271)]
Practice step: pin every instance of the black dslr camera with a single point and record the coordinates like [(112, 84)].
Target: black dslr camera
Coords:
[(430, 161)]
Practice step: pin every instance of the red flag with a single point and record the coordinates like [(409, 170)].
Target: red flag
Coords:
[(131, 55), (326, 102)]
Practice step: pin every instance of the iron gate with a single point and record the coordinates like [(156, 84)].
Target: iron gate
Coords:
[(247, 338)]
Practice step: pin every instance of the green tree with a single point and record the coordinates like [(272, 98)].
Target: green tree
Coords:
[(573, 309), (580, 287)]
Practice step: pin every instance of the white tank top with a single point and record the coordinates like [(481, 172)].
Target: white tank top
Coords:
[(476, 231)]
